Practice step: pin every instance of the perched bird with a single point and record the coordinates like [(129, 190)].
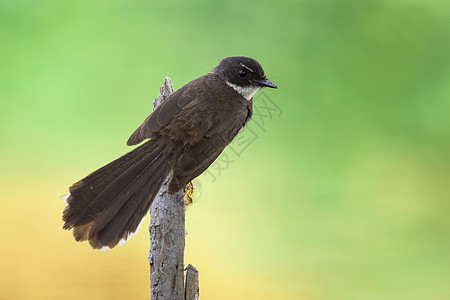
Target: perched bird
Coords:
[(186, 133)]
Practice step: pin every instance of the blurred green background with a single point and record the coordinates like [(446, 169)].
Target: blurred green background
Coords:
[(344, 196)]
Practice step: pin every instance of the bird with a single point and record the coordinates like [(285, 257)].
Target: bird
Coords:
[(183, 136)]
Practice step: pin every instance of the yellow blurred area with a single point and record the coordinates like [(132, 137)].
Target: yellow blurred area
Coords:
[(41, 261)]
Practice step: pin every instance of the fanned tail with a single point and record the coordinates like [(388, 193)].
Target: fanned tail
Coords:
[(107, 206)]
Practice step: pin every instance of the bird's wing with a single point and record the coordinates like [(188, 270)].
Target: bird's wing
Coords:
[(201, 155), (173, 105), (195, 161)]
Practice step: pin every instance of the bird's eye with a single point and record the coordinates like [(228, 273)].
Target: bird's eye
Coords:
[(242, 73)]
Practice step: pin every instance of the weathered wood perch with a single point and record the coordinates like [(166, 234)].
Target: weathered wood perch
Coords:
[(167, 236)]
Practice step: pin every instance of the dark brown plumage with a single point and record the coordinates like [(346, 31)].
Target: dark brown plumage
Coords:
[(187, 132)]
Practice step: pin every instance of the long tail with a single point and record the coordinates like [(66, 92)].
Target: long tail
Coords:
[(107, 206)]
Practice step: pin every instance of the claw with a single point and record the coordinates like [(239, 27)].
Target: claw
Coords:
[(188, 195)]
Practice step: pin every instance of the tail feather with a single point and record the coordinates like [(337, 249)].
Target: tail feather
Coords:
[(108, 205), (88, 188), (126, 221), (119, 190), (130, 214)]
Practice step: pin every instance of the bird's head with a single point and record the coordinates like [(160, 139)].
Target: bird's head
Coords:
[(244, 74)]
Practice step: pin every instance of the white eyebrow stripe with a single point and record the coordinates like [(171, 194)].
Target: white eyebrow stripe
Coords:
[(247, 68)]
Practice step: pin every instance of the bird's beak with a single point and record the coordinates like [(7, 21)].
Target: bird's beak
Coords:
[(268, 83)]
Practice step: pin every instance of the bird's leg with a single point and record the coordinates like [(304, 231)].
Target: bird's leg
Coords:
[(188, 194), (188, 198)]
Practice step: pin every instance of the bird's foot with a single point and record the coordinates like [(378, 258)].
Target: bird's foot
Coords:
[(188, 195)]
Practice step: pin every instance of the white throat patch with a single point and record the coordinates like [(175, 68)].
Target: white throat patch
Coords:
[(246, 92)]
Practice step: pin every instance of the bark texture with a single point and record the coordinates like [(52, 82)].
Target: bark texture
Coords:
[(192, 289)]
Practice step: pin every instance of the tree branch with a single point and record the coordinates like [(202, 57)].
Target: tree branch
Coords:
[(192, 290), (167, 236)]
